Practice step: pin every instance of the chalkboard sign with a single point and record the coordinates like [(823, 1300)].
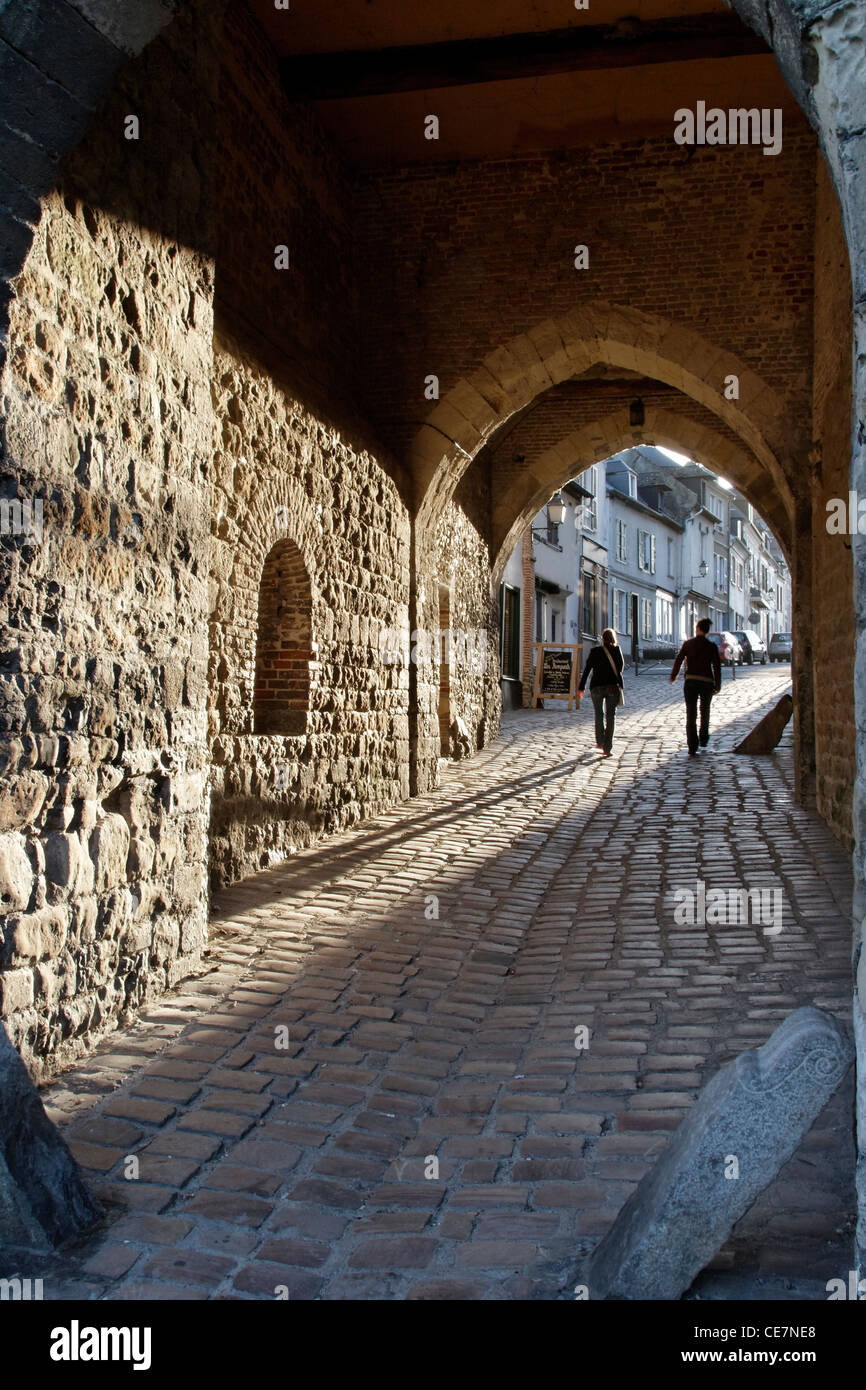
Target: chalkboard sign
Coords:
[(556, 668), (556, 673)]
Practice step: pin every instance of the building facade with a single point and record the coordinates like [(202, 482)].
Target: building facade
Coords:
[(647, 545)]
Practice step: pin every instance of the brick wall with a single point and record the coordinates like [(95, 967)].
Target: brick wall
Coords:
[(283, 643), (479, 252)]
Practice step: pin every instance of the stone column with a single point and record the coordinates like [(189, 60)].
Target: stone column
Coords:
[(423, 685)]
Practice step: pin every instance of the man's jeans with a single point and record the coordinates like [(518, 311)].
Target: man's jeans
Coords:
[(695, 691), (604, 698)]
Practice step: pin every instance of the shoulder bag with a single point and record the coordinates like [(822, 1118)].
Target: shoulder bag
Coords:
[(620, 699)]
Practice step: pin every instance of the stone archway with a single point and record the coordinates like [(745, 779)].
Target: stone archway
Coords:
[(279, 514), (820, 48), (515, 373), (512, 377)]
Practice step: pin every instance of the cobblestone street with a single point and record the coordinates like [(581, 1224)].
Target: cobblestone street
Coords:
[(299, 1163)]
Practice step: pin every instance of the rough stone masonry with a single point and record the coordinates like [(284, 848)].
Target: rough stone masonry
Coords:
[(43, 1198)]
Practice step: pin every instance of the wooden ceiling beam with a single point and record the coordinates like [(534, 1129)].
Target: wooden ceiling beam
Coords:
[(580, 48)]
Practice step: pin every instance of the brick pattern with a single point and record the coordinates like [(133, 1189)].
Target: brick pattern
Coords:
[(283, 644), (738, 253)]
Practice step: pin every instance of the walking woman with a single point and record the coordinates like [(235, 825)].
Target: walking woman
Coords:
[(604, 668)]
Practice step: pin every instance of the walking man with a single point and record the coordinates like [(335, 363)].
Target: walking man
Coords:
[(703, 680)]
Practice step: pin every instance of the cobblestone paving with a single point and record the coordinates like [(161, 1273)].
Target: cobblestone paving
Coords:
[(307, 1171)]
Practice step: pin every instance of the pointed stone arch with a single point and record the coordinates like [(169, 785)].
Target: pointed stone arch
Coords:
[(516, 372)]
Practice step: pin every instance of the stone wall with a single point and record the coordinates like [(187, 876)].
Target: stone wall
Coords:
[(294, 461), (299, 480), (138, 444), (106, 401), (463, 565)]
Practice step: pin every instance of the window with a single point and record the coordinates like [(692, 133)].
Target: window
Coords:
[(284, 643), (664, 618), (539, 617), (590, 592), (671, 571), (646, 551), (622, 540), (646, 617), (713, 503), (590, 504), (720, 573), (621, 610), (510, 655)]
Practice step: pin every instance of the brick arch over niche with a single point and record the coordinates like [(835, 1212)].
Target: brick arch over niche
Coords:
[(284, 643), (513, 375), (514, 509), (273, 558)]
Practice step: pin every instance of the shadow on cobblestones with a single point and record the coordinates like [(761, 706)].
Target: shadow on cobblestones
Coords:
[(380, 1089)]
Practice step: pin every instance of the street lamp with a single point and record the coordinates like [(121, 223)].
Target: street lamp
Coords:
[(702, 569), (556, 510)]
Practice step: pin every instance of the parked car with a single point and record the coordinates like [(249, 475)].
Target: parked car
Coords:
[(730, 650), (781, 646), (754, 647)]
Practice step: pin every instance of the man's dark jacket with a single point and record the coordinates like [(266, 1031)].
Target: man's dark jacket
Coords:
[(702, 659)]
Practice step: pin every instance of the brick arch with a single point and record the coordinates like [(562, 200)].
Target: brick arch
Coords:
[(278, 514), (515, 373), (284, 643), (514, 510)]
